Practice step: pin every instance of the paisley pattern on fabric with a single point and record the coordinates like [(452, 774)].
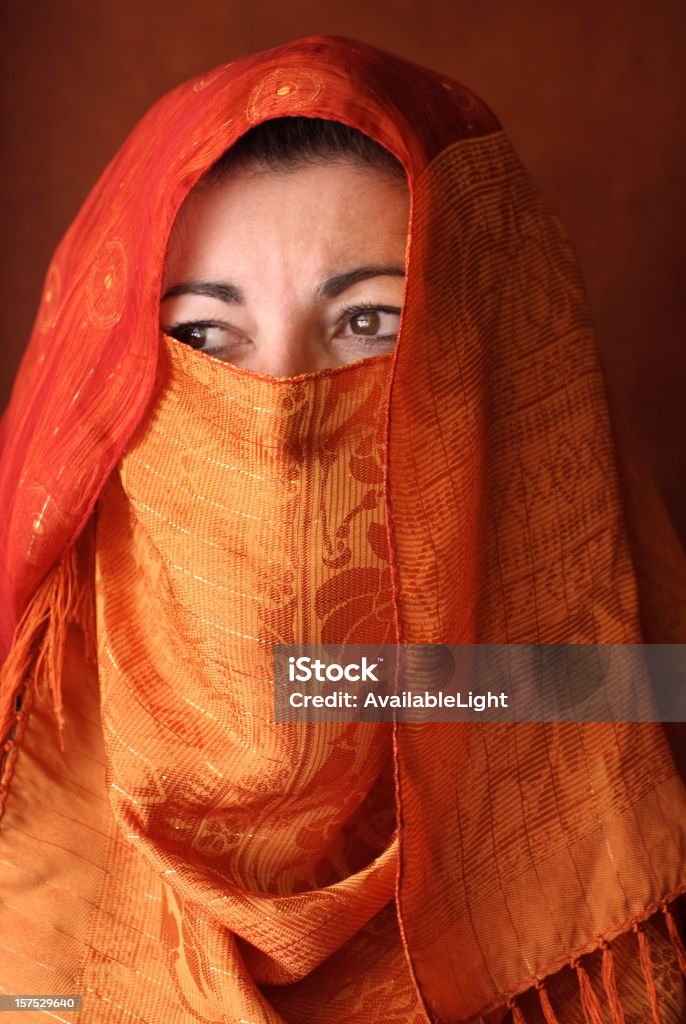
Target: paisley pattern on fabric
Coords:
[(106, 287), (298, 88)]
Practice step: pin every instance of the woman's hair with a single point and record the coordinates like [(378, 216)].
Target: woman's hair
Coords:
[(284, 143)]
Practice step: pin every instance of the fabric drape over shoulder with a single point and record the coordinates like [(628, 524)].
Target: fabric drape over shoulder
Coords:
[(169, 852)]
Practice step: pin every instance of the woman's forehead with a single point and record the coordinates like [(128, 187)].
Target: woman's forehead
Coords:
[(312, 215)]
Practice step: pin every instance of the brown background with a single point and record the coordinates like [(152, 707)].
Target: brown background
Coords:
[(591, 94)]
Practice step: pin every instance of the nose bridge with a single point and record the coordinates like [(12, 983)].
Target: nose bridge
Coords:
[(288, 347), (286, 338)]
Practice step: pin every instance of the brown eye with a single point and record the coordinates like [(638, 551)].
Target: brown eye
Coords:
[(368, 322), (193, 335), (367, 327)]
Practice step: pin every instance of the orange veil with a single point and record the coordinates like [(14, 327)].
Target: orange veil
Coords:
[(179, 856)]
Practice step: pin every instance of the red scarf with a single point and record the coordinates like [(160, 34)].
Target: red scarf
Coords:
[(521, 848)]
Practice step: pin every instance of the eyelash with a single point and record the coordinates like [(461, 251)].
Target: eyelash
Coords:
[(184, 324), (367, 307), (345, 314)]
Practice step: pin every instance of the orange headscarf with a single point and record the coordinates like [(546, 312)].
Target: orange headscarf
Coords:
[(187, 859)]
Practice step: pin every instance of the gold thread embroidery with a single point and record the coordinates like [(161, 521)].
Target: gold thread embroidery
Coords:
[(299, 87)]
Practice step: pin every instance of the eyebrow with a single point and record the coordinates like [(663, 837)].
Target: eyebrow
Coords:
[(329, 289), (227, 293), (339, 283)]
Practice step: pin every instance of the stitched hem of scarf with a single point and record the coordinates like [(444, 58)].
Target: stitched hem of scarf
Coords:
[(241, 371), (590, 1004), (12, 742), (35, 663), (401, 924)]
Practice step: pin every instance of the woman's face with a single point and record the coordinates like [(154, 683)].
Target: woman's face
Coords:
[(288, 272)]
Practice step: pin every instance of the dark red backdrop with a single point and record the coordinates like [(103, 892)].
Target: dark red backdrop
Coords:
[(592, 96)]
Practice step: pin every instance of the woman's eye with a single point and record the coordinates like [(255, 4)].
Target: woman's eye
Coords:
[(378, 323), (366, 323), (206, 337)]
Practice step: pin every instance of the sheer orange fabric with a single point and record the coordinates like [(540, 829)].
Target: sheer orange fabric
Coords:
[(184, 857)]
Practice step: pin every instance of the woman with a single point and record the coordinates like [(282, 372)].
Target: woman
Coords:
[(320, 471)]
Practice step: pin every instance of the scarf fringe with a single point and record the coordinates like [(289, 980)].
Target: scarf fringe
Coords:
[(676, 940), (647, 968), (610, 986), (546, 1006), (517, 1014), (589, 1000), (65, 597), (85, 616), (608, 1008)]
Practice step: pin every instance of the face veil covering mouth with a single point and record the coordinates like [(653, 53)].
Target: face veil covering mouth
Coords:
[(172, 854), (249, 511)]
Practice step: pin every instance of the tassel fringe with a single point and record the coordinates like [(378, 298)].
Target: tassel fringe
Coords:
[(676, 940), (546, 1006), (647, 968), (517, 1015), (606, 1008), (65, 597), (610, 985), (52, 621), (589, 1000)]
